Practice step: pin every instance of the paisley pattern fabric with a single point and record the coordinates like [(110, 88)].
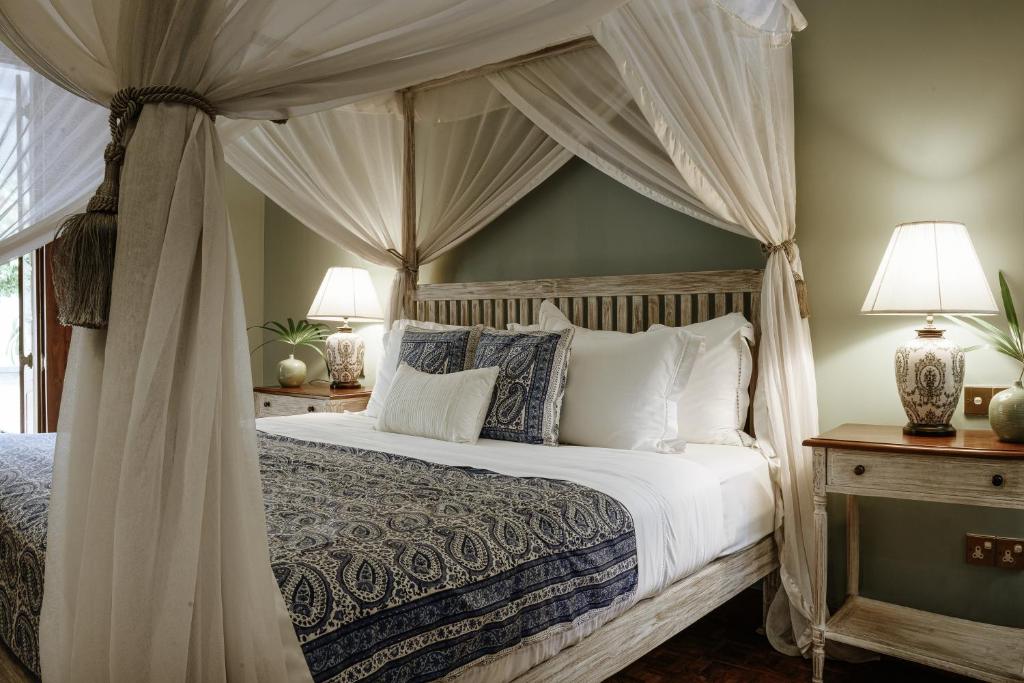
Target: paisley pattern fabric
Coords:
[(439, 353), (393, 569), (527, 401), (26, 469)]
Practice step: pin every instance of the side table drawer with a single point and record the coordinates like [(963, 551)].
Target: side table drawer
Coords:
[(271, 405), (964, 480), (347, 405)]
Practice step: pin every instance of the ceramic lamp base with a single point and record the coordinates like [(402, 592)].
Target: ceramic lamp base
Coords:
[(345, 351), (929, 376)]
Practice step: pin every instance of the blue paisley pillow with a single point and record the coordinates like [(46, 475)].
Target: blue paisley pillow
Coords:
[(527, 401), (439, 352)]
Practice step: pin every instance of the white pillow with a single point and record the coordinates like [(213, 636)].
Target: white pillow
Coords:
[(714, 405), (389, 360), (449, 407), (623, 389)]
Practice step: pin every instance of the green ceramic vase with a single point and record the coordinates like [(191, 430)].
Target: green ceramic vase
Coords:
[(291, 372), (1006, 414)]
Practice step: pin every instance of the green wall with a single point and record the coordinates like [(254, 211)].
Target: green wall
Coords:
[(245, 211), (581, 222), (907, 110)]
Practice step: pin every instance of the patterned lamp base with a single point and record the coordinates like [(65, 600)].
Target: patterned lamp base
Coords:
[(929, 376), (345, 351)]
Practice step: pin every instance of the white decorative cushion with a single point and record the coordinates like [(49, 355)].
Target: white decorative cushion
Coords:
[(449, 407), (623, 389), (390, 359), (714, 405)]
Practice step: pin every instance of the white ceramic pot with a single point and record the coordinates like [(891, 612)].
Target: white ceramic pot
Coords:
[(291, 372)]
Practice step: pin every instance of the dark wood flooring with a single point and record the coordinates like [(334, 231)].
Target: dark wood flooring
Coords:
[(726, 647), (723, 647)]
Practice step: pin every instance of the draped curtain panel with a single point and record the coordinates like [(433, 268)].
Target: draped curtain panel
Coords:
[(339, 172), (476, 155), (580, 100), (714, 79), (157, 565), (51, 155)]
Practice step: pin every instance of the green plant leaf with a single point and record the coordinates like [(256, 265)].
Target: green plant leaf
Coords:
[(1011, 313)]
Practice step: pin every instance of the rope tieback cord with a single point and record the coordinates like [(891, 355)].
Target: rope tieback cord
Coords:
[(407, 266), (83, 258), (789, 249)]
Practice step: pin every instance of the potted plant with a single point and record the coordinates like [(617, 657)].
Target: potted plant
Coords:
[(1006, 411), (291, 372)]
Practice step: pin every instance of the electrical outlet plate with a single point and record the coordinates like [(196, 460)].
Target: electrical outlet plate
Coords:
[(1010, 553), (976, 400), (981, 550)]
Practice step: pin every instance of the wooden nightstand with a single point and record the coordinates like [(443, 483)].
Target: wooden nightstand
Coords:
[(309, 398), (971, 468)]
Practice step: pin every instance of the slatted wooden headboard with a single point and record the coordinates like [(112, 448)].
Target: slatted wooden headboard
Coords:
[(627, 303)]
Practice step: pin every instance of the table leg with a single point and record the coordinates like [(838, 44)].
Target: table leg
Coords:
[(820, 567), (852, 545)]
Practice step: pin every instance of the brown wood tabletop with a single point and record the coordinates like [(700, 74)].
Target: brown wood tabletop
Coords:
[(976, 443), (321, 390)]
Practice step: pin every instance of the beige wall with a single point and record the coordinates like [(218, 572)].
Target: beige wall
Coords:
[(908, 110), (245, 211)]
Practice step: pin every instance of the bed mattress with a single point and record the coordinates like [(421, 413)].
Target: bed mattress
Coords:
[(650, 520)]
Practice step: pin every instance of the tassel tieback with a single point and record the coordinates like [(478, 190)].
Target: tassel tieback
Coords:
[(83, 254), (789, 249)]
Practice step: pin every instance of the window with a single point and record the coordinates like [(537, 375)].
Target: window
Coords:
[(17, 346)]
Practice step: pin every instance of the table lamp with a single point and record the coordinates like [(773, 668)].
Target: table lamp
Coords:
[(930, 267), (346, 294)]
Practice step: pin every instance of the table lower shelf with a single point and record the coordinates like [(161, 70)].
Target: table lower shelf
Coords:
[(983, 651)]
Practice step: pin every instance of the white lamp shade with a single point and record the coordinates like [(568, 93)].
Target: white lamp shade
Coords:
[(930, 267), (346, 294)]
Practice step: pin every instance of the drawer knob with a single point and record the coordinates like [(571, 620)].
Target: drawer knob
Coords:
[(859, 470), (311, 409), (998, 480), (266, 404)]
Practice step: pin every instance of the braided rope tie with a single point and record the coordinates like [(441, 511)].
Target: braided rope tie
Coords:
[(406, 264), (789, 249), (127, 103)]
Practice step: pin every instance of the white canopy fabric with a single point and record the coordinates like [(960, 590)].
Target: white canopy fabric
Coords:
[(719, 95), (181, 589)]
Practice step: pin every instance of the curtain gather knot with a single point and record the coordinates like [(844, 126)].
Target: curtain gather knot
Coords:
[(789, 249), (83, 260), (407, 265)]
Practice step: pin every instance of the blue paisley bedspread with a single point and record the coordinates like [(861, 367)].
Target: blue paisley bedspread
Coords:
[(392, 568)]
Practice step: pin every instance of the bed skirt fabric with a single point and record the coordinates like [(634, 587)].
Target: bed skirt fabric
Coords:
[(392, 568)]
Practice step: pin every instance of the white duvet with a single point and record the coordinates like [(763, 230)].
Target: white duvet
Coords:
[(676, 503)]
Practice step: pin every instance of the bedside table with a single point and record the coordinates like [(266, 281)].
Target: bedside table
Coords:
[(971, 468), (309, 398)]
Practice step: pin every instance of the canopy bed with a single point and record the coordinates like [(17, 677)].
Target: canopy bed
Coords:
[(688, 101)]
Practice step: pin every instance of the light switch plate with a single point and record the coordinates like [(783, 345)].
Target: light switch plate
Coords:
[(976, 400)]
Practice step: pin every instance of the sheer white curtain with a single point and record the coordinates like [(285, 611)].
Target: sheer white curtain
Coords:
[(51, 155), (157, 561), (476, 155), (715, 81), (338, 171), (580, 100)]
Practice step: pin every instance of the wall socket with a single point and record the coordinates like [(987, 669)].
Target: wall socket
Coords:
[(1010, 553), (995, 551), (981, 550)]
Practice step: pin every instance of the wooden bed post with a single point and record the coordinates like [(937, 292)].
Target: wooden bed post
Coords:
[(409, 252)]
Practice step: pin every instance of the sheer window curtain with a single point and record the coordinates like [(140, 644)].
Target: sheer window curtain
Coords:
[(51, 156), (476, 155), (714, 79), (157, 565), (579, 99)]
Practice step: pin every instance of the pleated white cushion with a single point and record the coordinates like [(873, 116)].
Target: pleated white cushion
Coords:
[(449, 407)]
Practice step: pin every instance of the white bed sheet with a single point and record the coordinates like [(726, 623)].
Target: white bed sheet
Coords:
[(687, 509)]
